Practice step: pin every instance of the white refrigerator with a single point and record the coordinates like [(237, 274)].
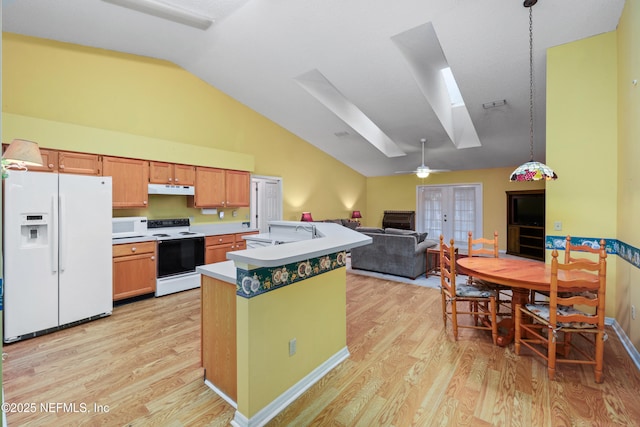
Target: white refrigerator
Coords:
[(57, 251)]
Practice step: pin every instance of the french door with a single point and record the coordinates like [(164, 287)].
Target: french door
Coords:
[(450, 210)]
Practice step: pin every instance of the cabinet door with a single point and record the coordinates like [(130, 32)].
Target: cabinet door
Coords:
[(513, 239), (134, 275), (160, 173), (209, 188), (79, 163), (217, 253), (184, 174), (49, 160), (237, 188), (130, 179)]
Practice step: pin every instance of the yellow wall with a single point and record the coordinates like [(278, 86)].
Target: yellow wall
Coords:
[(313, 311), (581, 134), (399, 193), (628, 203), (78, 98)]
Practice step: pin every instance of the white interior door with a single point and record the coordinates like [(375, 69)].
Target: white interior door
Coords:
[(450, 210), (266, 202)]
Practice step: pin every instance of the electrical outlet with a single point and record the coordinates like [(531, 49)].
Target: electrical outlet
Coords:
[(292, 347), (633, 312), (557, 226)]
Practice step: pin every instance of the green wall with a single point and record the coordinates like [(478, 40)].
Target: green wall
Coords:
[(78, 98), (581, 140), (628, 185), (399, 193)]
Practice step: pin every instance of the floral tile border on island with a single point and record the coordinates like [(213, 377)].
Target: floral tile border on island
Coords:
[(250, 283), (614, 247)]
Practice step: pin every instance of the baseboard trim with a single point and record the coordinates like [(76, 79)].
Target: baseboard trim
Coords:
[(221, 393), (285, 399), (624, 339)]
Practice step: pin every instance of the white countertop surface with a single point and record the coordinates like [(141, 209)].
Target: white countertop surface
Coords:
[(332, 238), (225, 271), (133, 240)]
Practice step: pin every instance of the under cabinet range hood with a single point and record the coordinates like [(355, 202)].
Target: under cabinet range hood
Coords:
[(180, 190)]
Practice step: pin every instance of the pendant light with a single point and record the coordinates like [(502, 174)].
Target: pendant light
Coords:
[(531, 170)]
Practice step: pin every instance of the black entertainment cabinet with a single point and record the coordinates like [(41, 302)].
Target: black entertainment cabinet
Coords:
[(525, 223)]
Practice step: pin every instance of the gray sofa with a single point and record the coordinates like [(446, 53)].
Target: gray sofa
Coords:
[(393, 251)]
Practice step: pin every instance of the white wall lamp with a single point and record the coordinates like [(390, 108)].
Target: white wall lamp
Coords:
[(20, 154), (167, 11)]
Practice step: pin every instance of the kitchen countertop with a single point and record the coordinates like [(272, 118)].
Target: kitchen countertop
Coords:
[(331, 238), (224, 271), (223, 228), (137, 239)]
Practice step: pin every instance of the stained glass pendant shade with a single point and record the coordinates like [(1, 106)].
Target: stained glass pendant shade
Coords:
[(531, 170)]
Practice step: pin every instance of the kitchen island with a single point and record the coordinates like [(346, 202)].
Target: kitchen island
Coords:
[(274, 319)]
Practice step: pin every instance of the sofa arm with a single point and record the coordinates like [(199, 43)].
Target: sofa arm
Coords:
[(424, 245)]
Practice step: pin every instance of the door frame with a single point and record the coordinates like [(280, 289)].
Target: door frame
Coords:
[(479, 223), (257, 198)]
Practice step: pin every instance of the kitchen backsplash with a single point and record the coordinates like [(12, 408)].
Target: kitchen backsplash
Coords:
[(163, 206)]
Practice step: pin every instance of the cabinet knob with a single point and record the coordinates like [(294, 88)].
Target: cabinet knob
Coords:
[(153, 258), (171, 180), (133, 249), (50, 165), (144, 202), (176, 179), (61, 166)]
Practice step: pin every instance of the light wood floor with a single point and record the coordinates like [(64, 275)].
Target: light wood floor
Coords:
[(404, 370)]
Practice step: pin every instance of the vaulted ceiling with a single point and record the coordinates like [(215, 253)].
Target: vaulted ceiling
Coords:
[(359, 79)]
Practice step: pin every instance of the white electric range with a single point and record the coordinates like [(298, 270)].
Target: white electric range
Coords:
[(179, 252)]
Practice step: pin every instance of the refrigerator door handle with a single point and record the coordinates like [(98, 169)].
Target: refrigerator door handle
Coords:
[(61, 231), (54, 234)]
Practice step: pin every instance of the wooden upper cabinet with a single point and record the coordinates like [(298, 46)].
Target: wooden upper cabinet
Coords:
[(237, 185), (79, 163), (170, 173), (68, 162), (49, 161), (130, 181), (209, 188)]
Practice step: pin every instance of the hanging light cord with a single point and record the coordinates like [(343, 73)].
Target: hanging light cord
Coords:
[(531, 80)]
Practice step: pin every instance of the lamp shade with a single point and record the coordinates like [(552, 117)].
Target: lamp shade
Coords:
[(356, 215), (532, 171), (23, 151), (306, 216)]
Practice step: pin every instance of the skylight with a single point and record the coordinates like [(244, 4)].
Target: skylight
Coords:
[(452, 87)]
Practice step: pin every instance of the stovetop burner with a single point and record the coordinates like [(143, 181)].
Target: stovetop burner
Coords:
[(169, 229)]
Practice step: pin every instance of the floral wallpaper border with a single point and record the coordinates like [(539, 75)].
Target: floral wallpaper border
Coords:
[(251, 283), (614, 247)]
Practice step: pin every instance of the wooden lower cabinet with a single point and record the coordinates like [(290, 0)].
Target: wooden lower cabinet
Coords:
[(219, 350), (216, 247), (134, 269)]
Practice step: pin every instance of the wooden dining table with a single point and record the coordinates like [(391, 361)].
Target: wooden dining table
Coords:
[(522, 276)]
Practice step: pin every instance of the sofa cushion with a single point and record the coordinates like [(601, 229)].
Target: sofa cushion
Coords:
[(370, 230), (350, 224), (419, 236)]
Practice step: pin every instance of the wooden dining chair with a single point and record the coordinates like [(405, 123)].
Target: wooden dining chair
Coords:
[(481, 302), (489, 248), (547, 328), (586, 252)]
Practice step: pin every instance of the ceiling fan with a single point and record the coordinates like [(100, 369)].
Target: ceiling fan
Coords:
[(423, 171)]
